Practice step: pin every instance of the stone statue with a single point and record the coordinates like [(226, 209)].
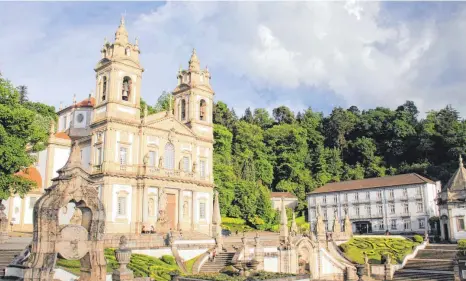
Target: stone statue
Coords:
[(77, 217), (123, 242), (162, 198), (185, 209), (145, 160), (161, 162), (125, 89), (151, 207), (366, 258), (194, 166)]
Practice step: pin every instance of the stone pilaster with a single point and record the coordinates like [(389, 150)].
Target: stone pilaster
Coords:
[(259, 253), (283, 223)]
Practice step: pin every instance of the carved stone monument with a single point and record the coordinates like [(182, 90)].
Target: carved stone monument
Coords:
[(3, 224), (75, 242)]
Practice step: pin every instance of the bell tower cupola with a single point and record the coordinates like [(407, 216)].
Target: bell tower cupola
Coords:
[(118, 78), (193, 98)]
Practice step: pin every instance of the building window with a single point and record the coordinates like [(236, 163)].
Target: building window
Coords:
[(379, 194), (183, 109), (393, 224), (381, 226), (121, 208), (65, 121), (99, 156), (419, 191), (368, 209), (392, 194), (202, 168), (422, 223), (313, 200), (152, 158), (202, 110), (405, 192), (379, 209), (324, 199), (123, 152), (405, 208), (460, 224), (32, 202), (126, 89), (368, 195), (356, 196), (345, 209), (392, 208), (313, 213), (335, 199), (202, 210), (346, 197), (407, 224), (324, 210), (104, 88), (169, 156), (420, 207), (186, 164), (357, 210)]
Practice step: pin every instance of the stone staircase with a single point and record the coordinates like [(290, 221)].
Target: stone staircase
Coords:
[(222, 260), (434, 263), (6, 256)]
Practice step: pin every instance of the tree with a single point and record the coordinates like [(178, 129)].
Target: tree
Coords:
[(262, 118), (23, 93), (247, 116), (18, 129), (337, 127), (283, 115), (224, 116), (164, 102), (150, 109)]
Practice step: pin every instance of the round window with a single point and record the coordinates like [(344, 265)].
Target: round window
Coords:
[(80, 117)]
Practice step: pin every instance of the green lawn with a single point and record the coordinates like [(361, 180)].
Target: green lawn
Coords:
[(141, 265), (398, 248), (189, 264)]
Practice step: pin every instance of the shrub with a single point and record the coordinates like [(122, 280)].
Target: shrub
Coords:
[(228, 220), (418, 238), (462, 247)]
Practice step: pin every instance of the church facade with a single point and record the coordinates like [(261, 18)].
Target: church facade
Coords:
[(154, 170)]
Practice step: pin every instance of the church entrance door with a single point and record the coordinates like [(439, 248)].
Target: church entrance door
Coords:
[(171, 210)]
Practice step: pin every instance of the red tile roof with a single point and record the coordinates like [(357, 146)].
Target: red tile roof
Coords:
[(282, 194), (84, 103), (397, 180), (62, 135), (32, 174)]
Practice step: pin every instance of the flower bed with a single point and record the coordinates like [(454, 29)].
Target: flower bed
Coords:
[(397, 248)]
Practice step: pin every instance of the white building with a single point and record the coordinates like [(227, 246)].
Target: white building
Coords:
[(452, 206), (401, 203), (291, 200)]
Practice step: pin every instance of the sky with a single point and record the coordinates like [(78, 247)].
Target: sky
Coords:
[(260, 54)]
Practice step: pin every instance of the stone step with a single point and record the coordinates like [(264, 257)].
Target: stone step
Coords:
[(419, 276), (436, 254), (429, 265)]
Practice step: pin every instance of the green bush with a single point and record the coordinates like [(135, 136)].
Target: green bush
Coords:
[(227, 220), (418, 238)]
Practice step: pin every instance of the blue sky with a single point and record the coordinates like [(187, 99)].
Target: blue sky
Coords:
[(260, 54)]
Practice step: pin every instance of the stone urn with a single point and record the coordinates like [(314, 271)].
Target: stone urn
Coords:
[(123, 254)]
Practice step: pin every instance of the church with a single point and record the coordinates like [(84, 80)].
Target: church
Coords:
[(154, 171)]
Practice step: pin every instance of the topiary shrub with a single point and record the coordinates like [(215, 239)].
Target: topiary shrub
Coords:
[(462, 247), (418, 238)]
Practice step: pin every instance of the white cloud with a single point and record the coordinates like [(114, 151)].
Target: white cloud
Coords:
[(254, 46)]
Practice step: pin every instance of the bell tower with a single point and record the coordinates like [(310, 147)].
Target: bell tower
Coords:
[(118, 79), (193, 97)]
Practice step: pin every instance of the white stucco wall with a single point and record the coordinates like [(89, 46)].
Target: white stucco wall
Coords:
[(59, 159), (28, 209), (271, 264), (42, 165), (190, 254), (156, 253), (86, 156), (76, 123), (16, 212), (458, 213)]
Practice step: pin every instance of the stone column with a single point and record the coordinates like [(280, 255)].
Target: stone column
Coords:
[(3, 224), (259, 253), (123, 255)]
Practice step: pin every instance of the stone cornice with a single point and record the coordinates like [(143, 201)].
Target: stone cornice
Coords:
[(144, 177)]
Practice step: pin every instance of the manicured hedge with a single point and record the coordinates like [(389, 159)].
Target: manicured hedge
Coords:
[(397, 248), (141, 265), (261, 275), (418, 238)]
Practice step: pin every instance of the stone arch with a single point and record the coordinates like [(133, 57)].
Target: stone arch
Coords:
[(307, 256), (76, 242)]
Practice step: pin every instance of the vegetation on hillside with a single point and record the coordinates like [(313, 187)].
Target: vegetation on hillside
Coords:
[(258, 152)]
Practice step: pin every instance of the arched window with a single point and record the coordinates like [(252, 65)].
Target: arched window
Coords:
[(183, 109), (202, 78), (104, 88), (128, 51), (126, 89), (202, 110), (169, 156)]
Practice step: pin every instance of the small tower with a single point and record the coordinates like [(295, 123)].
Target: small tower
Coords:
[(118, 78), (193, 98)]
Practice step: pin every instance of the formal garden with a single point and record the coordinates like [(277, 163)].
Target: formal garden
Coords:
[(375, 248)]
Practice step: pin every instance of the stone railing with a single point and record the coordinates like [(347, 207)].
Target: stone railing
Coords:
[(303, 277)]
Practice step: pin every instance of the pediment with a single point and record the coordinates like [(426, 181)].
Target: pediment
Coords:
[(171, 124)]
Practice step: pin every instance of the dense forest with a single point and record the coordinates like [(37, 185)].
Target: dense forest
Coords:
[(258, 152)]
